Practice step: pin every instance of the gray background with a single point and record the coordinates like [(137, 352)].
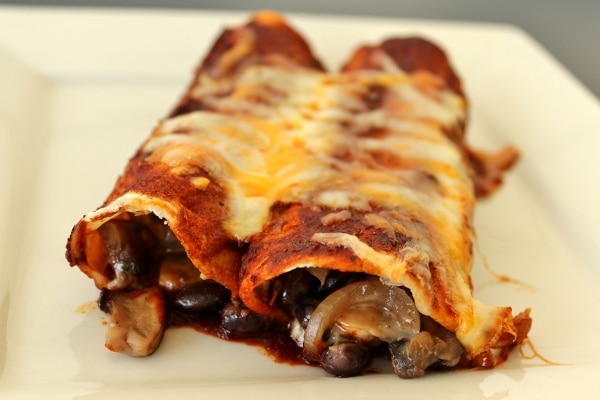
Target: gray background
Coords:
[(568, 29)]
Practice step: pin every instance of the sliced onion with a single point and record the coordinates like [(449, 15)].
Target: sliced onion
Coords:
[(364, 311)]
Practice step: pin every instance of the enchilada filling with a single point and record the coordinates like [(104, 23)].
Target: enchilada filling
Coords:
[(340, 320)]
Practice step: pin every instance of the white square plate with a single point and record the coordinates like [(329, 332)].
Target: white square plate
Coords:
[(80, 90)]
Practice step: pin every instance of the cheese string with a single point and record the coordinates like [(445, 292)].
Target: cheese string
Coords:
[(500, 277), (525, 342), (535, 353)]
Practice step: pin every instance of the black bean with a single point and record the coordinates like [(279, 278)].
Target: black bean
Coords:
[(239, 321), (171, 244), (336, 280), (303, 312), (294, 286), (104, 301), (201, 296), (345, 359)]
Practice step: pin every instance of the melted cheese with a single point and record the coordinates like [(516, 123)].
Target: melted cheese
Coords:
[(300, 136), (289, 144)]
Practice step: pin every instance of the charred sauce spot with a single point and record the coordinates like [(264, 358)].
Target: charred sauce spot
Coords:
[(391, 160), (373, 133), (374, 96), (266, 95), (189, 105)]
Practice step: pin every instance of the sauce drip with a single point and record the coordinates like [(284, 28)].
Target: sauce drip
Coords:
[(274, 342)]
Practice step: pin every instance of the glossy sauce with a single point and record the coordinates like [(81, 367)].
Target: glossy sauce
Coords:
[(276, 343)]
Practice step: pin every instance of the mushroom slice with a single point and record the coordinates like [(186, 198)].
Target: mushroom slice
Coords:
[(126, 244), (367, 312), (137, 321), (433, 346)]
